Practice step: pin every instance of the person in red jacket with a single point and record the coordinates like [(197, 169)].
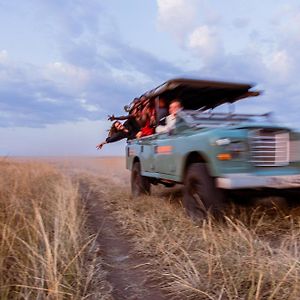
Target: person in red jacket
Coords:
[(148, 114)]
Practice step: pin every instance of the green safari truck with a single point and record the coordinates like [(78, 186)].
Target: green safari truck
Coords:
[(212, 153)]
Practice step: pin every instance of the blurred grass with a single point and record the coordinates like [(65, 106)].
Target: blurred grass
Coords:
[(45, 251), (253, 254)]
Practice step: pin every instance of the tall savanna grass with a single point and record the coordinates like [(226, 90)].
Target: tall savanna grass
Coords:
[(253, 254), (42, 244)]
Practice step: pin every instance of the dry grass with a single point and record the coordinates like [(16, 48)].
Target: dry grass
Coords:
[(254, 254), (44, 249)]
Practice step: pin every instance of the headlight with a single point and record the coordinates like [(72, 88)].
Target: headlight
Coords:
[(230, 149), (236, 147), (222, 142)]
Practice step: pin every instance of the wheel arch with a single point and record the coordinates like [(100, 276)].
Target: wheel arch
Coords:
[(135, 159), (194, 157)]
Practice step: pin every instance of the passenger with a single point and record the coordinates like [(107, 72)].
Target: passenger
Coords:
[(117, 132), (132, 122), (134, 107), (174, 108), (162, 111), (144, 105), (148, 115)]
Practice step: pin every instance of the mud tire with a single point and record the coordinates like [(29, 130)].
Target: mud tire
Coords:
[(200, 195), (140, 185)]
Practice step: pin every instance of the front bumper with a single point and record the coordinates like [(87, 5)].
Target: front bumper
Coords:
[(244, 181)]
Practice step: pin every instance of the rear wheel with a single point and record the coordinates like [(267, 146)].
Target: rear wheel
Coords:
[(140, 185), (201, 197)]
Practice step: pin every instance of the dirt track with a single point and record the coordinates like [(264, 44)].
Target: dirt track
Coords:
[(127, 272), (149, 243)]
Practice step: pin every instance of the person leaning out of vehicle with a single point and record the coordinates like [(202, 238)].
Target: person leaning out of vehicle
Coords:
[(174, 108), (132, 123), (117, 132)]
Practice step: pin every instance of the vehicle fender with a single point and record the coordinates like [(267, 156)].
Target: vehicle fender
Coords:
[(196, 157)]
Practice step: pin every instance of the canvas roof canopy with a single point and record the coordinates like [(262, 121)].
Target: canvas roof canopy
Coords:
[(202, 94)]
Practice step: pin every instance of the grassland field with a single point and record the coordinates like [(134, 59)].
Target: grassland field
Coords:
[(70, 230)]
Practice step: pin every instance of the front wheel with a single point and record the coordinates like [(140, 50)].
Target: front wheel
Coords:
[(201, 197), (140, 185)]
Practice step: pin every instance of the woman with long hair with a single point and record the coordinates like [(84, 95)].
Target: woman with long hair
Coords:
[(133, 120), (116, 133)]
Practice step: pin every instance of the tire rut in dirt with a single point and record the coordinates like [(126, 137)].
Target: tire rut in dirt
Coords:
[(126, 271)]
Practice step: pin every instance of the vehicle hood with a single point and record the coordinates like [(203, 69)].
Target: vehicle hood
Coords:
[(257, 125)]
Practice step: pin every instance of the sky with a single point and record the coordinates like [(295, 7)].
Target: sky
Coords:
[(66, 65)]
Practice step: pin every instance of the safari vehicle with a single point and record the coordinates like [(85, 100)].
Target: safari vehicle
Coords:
[(213, 153)]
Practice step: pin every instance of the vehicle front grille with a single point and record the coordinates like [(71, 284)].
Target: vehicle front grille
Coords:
[(294, 150), (269, 147)]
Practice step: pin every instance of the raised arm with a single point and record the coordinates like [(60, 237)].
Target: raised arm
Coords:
[(114, 138), (113, 118), (99, 146)]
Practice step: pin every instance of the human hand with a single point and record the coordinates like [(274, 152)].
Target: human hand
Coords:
[(153, 121), (99, 146), (139, 135), (111, 118)]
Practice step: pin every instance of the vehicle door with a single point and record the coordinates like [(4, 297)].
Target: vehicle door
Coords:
[(147, 147), (165, 154)]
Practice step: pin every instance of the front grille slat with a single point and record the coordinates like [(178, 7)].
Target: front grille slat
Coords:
[(268, 150), (269, 147), (295, 150)]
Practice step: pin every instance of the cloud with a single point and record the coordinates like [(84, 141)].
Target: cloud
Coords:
[(239, 49), (284, 57), (194, 25), (96, 74), (177, 16), (241, 23), (88, 107), (66, 75), (3, 56), (280, 64), (205, 43)]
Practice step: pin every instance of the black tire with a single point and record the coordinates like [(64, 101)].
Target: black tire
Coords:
[(201, 197), (140, 185), (292, 197)]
